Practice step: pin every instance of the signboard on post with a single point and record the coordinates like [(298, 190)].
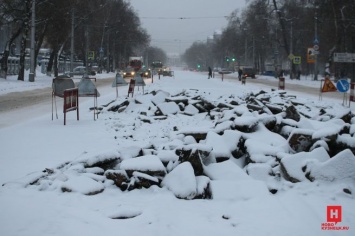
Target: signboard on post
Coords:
[(311, 55), (71, 102), (87, 88), (132, 83), (344, 57), (296, 60), (59, 85), (343, 85), (91, 55), (328, 86)]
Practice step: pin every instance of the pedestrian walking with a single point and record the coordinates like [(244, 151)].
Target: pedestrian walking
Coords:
[(240, 74), (209, 72), (299, 74)]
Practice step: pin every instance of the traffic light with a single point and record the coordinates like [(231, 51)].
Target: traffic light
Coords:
[(198, 66), (233, 59), (227, 59)]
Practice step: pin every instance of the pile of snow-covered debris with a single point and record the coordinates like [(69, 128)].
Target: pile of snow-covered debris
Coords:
[(229, 147)]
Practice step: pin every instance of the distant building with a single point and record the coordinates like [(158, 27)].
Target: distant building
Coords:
[(174, 59), (210, 39), (217, 34)]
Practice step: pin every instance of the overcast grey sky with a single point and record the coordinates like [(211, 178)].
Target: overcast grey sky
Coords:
[(200, 19)]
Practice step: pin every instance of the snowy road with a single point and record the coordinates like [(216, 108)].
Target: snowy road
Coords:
[(37, 102), (17, 100), (296, 86)]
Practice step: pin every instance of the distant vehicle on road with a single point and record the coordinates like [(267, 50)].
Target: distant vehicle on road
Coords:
[(167, 72), (136, 63), (145, 73), (248, 72), (157, 66), (129, 72)]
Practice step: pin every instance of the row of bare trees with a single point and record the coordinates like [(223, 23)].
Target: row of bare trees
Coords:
[(270, 32), (109, 28)]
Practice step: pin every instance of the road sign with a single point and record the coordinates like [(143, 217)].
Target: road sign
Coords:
[(311, 57), (316, 47), (344, 57), (315, 41), (291, 56), (91, 55), (297, 60), (328, 86), (343, 85)]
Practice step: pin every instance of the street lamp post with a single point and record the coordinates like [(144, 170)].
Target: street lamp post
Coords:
[(291, 45), (101, 47), (72, 43), (31, 77), (291, 50), (315, 42), (86, 51), (246, 50)]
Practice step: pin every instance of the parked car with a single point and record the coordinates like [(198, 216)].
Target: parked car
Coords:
[(95, 67), (249, 72), (129, 72), (80, 70)]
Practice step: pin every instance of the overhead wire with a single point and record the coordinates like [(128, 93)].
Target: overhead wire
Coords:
[(181, 18)]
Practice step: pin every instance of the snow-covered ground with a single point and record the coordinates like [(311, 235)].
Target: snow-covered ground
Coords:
[(46, 151)]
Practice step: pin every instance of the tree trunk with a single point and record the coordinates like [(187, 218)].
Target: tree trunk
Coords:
[(26, 23), (40, 39), (21, 73), (55, 64), (5, 57), (50, 62), (283, 29)]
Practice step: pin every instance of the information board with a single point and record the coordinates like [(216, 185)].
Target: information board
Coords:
[(132, 83), (344, 57)]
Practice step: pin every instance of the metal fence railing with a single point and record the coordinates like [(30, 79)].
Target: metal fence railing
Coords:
[(13, 65)]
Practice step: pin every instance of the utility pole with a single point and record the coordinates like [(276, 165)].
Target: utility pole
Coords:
[(108, 53), (290, 54), (31, 77), (246, 50), (86, 50), (291, 51), (315, 42), (254, 53), (72, 43), (291, 43)]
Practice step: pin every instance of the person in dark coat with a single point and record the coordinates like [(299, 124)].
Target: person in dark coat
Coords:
[(240, 74), (299, 74), (209, 72), (281, 74)]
